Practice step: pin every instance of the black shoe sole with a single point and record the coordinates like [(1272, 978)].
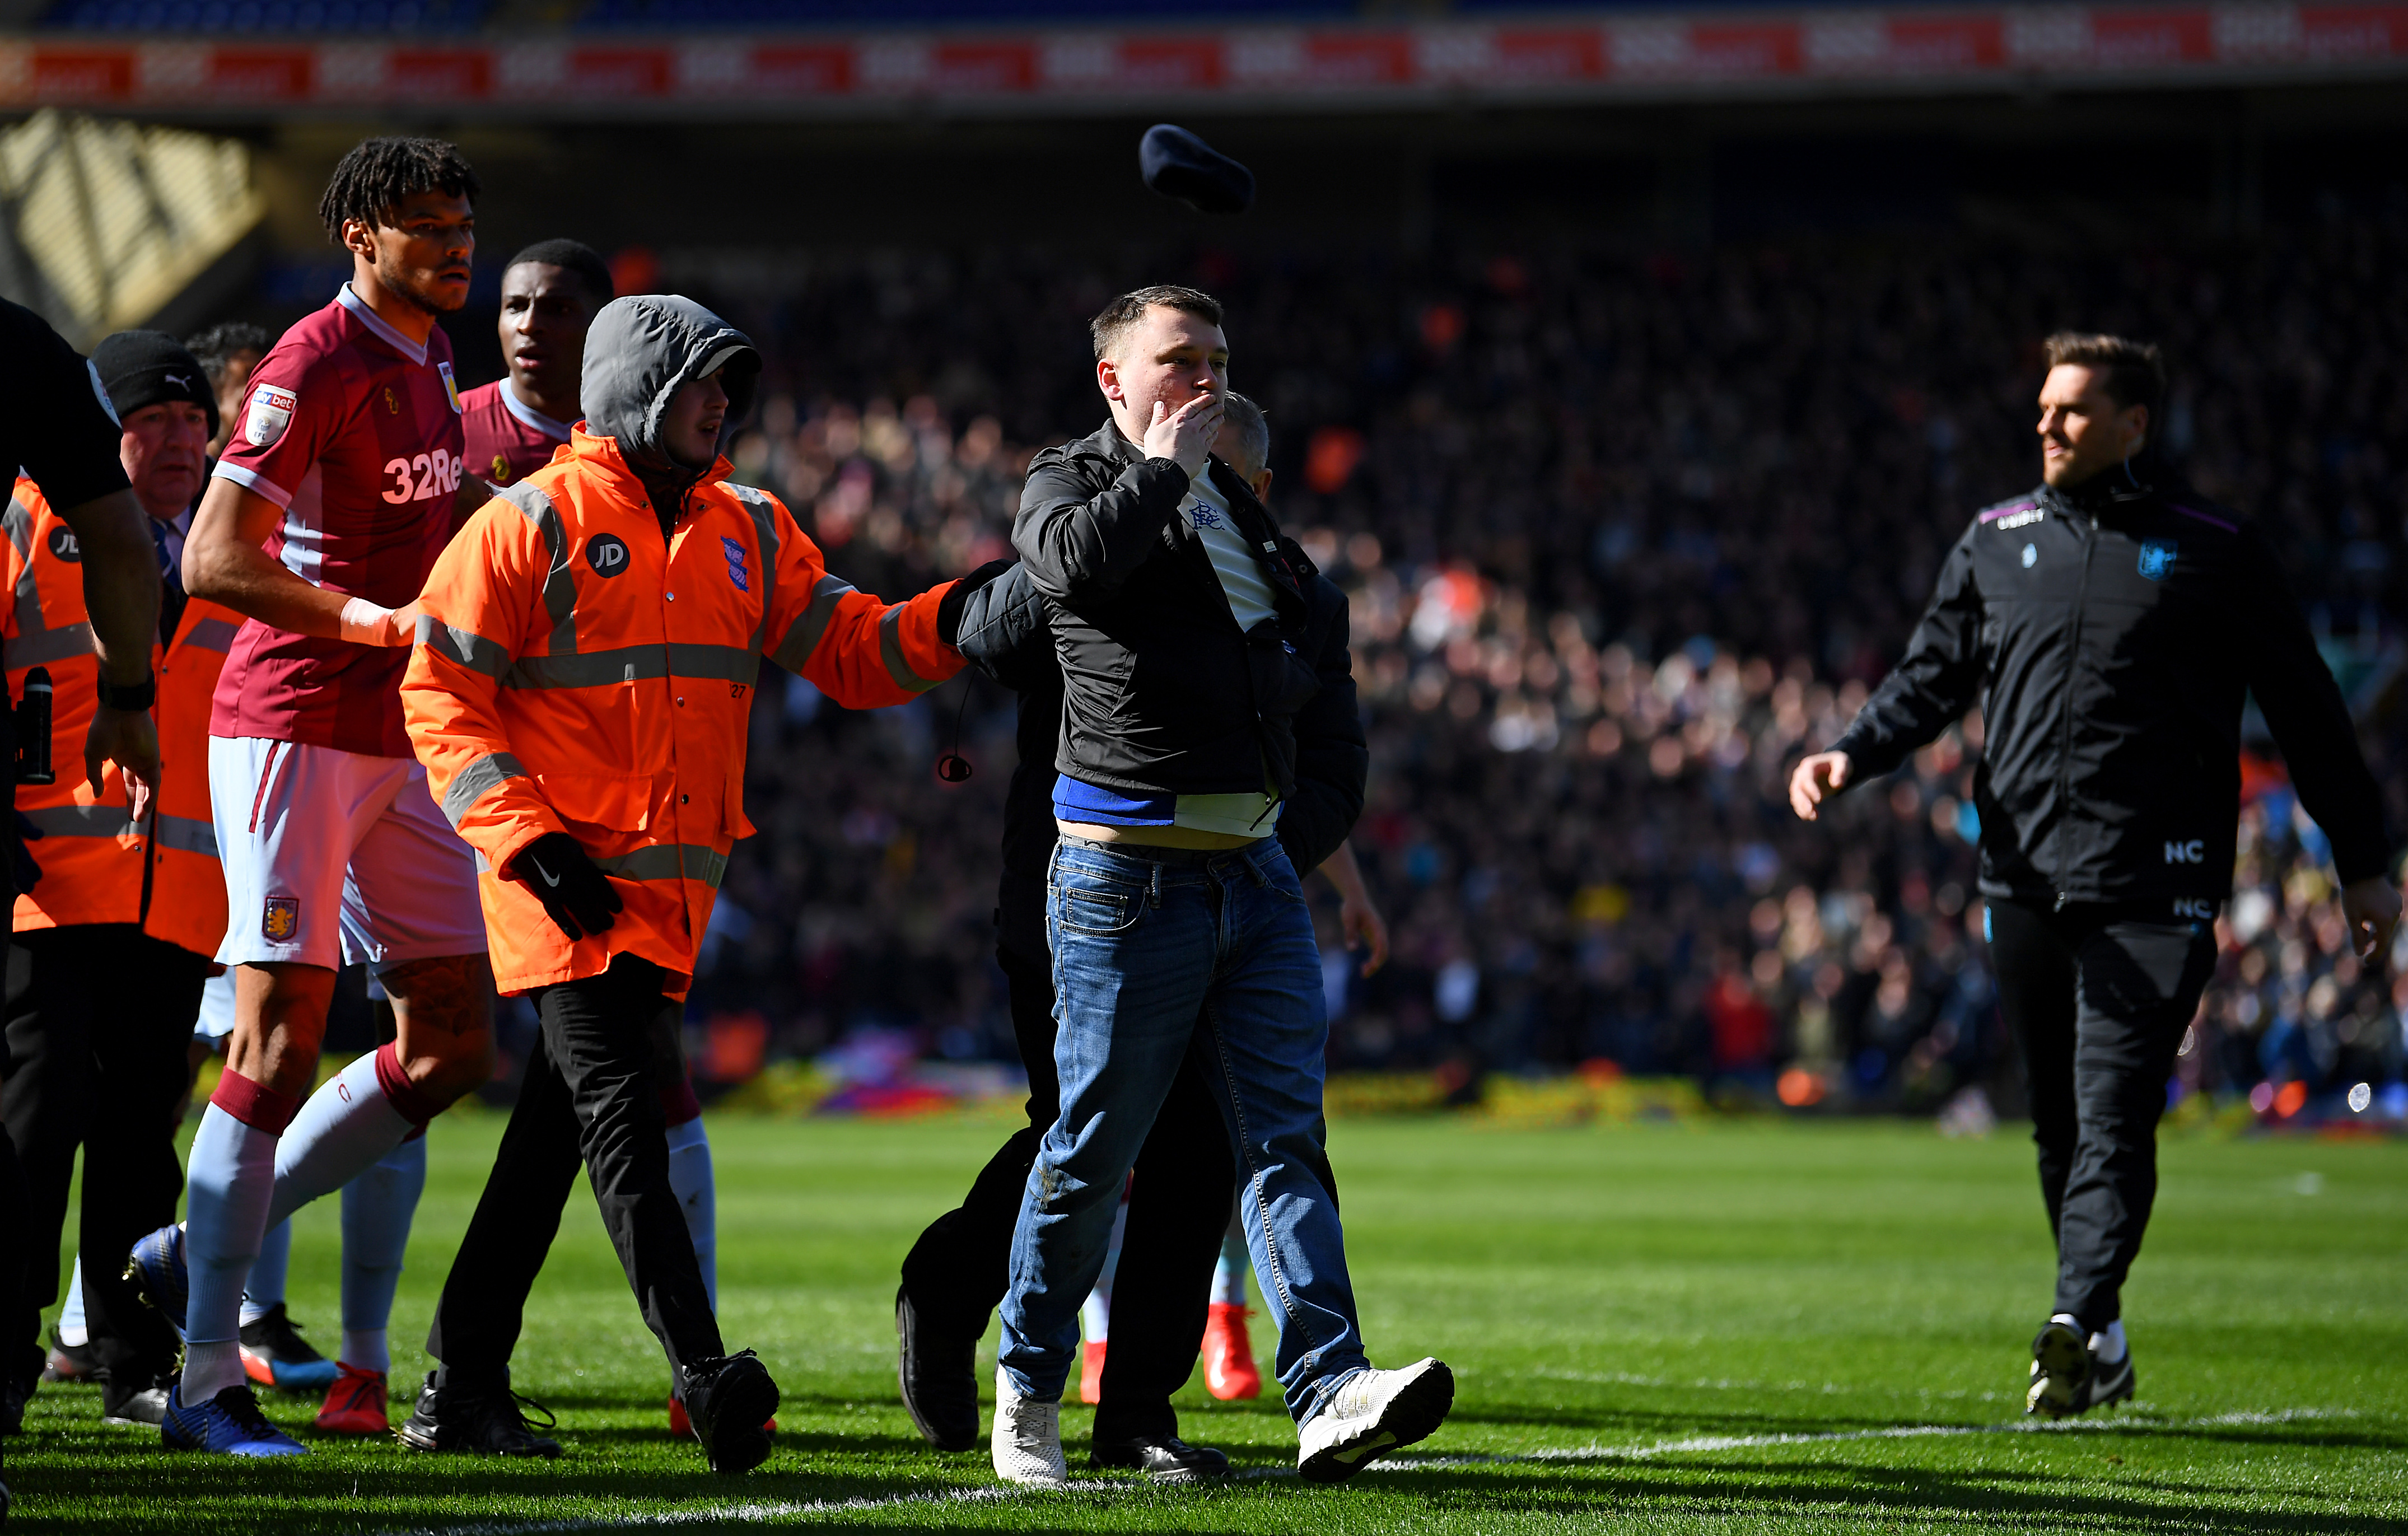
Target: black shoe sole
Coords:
[(1413, 1415), (967, 1440), (2063, 1355), (1119, 1458), (752, 1403)]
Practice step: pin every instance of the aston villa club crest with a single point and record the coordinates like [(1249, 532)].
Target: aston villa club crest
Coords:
[(2157, 558), (450, 387), (281, 920)]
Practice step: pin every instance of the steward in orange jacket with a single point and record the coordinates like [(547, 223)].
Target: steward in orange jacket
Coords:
[(579, 694), (94, 857), (113, 942)]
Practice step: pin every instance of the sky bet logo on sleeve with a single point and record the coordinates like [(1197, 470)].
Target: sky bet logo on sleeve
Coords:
[(736, 571), (2157, 558)]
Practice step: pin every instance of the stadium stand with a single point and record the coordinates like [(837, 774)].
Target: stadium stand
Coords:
[(1624, 536), (244, 16)]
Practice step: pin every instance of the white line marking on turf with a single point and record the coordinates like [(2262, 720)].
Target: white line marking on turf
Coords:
[(1409, 1461), (764, 1512), (753, 1514)]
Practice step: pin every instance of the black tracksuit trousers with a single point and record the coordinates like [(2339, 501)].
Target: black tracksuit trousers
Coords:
[(99, 1019), (2100, 1000), (1178, 1206), (591, 1093)]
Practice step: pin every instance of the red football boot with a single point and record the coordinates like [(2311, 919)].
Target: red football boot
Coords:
[(682, 1428), (1229, 1368), (1091, 1372), (356, 1403)]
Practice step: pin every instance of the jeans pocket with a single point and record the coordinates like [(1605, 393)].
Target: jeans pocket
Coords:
[(1100, 911)]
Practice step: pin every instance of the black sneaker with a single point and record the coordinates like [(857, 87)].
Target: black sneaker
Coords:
[(2111, 1383), (492, 1422), (728, 1398), (2060, 1371), (275, 1355), (70, 1362), (940, 1380), (146, 1407), (1165, 1458)]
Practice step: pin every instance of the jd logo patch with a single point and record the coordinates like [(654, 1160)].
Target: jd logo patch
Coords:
[(736, 571), (65, 547), (606, 554), (2157, 558), (282, 918)]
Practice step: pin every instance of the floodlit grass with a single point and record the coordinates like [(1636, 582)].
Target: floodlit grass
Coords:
[(1760, 1326)]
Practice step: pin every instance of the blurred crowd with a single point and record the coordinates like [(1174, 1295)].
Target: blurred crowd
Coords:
[(1624, 536)]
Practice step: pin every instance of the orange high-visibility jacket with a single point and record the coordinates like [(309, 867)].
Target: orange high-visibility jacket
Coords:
[(574, 673), (91, 854)]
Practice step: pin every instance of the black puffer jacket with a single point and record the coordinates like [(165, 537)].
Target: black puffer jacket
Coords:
[(2111, 633), (1162, 692), (1006, 634)]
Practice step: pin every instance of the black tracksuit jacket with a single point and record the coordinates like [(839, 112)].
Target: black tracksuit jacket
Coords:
[(2110, 633)]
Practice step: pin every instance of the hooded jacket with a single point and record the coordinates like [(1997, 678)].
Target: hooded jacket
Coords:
[(590, 644), (2110, 633)]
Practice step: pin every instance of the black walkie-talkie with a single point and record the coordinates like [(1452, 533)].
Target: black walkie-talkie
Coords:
[(33, 729)]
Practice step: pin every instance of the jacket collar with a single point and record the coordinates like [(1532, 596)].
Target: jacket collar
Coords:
[(601, 456)]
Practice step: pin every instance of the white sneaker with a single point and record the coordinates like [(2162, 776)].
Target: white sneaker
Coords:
[(1027, 1442), (1373, 1413)]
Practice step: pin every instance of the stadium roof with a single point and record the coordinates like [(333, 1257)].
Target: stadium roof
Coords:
[(1200, 69)]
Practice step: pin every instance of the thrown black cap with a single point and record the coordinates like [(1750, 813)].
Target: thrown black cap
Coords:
[(143, 367), (1177, 164)]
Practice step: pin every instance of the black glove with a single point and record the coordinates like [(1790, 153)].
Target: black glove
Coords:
[(28, 874), (577, 894), (949, 607)]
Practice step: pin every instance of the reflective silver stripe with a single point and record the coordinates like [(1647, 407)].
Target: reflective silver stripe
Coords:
[(466, 647), (471, 782), (559, 587), (212, 635), (189, 834), (668, 861), (628, 664), (79, 821), (795, 651), (890, 650), (19, 521), (713, 663), (765, 528), (40, 647)]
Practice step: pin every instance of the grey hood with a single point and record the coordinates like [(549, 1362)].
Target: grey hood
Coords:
[(637, 353)]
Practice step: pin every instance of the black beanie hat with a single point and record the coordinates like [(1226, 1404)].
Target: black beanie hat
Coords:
[(144, 367), (1177, 164)]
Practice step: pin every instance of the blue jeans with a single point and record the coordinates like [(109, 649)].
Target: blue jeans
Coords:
[(1158, 952)]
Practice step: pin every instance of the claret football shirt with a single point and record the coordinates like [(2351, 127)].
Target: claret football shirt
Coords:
[(354, 430), (506, 438)]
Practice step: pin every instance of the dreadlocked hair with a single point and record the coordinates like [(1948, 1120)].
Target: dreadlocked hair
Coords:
[(379, 173)]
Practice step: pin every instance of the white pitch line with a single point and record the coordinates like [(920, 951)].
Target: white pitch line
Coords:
[(1409, 1462), (762, 1513)]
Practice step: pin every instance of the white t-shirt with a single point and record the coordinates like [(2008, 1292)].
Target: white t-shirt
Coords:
[(1208, 510)]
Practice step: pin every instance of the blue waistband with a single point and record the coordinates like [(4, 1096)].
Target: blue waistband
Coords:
[(1075, 800)]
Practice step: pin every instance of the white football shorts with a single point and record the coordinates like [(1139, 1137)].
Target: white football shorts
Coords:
[(336, 858)]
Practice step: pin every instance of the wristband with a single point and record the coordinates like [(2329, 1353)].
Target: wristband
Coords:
[(365, 623), (130, 698)]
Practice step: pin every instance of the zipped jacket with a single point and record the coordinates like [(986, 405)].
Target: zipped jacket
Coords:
[(98, 864), (1005, 635), (2111, 635), (579, 671), (1162, 692)]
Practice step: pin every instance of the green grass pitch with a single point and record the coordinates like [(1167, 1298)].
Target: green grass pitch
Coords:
[(1745, 1327)]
